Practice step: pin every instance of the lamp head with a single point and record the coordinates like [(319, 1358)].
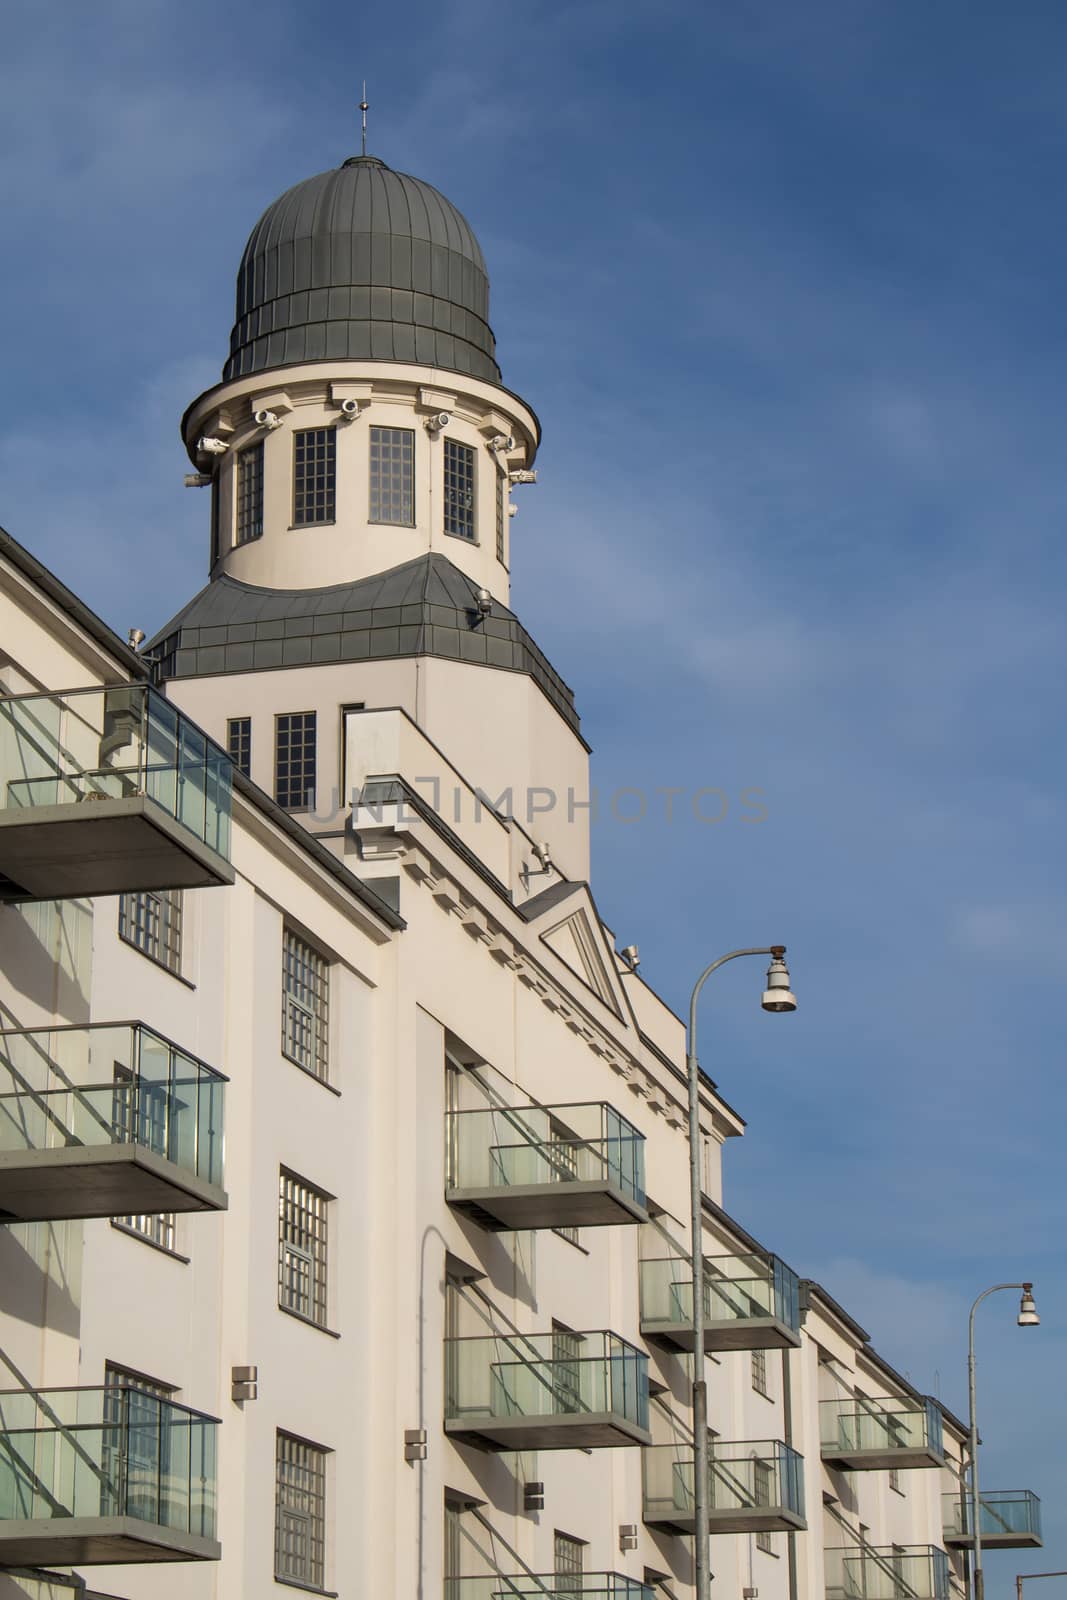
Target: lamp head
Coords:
[(1028, 1317), (778, 996)]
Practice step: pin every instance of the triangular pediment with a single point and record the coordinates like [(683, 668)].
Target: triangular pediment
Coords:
[(572, 930)]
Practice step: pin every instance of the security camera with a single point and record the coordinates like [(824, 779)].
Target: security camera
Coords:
[(523, 476), (631, 956), (501, 441), (544, 856), (135, 638), (210, 446), (439, 420), (198, 480), (266, 419), (512, 508), (350, 409)]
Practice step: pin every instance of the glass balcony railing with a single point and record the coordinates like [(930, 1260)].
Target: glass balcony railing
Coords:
[(547, 1391), (75, 1461), (121, 743), (890, 1572), (750, 1302), (79, 1105), (29, 1583), (546, 1166), (558, 1586), (881, 1431), (1010, 1518), (753, 1486)]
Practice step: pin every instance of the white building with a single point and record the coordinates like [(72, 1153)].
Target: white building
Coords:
[(401, 1308)]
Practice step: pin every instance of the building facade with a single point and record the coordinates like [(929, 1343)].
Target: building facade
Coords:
[(343, 1157)]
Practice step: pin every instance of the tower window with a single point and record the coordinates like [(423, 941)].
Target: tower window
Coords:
[(250, 494), (500, 516), (314, 476), (392, 475), (459, 489), (239, 743), (294, 760)]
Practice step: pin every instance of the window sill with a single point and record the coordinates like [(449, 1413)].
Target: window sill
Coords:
[(463, 538), (306, 1588), (763, 1394), (142, 1238), (323, 1083), (320, 1327), (575, 1244), (301, 527), (386, 522)]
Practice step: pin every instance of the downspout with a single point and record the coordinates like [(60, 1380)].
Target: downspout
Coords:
[(787, 1407)]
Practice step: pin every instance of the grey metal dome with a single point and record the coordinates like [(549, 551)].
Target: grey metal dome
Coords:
[(362, 263)]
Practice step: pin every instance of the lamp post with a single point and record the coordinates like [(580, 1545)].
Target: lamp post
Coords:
[(777, 997), (1027, 1318)]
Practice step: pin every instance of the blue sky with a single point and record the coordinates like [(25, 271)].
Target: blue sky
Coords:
[(785, 284)]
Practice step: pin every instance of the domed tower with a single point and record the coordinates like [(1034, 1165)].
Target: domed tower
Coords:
[(360, 452)]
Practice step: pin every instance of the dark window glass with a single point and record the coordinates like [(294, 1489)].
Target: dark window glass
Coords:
[(302, 1248), (500, 516), (250, 493), (392, 475), (152, 922), (300, 1512), (314, 476), (239, 743), (294, 760), (459, 489)]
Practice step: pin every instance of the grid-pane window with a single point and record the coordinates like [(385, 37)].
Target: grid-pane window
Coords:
[(157, 1227), (239, 743), (302, 1248), (762, 1486), (294, 760), (392, 475), (563, 1164), (566, 1369), (215, 544), (305, 1006), (569, 1562), (453, 1543), (300, 1512), (314, 476), (500, 516), (152, 922), (459, 489), (250, 493), (759, 1371)]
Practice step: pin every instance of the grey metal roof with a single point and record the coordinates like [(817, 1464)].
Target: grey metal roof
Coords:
[(362, 263), (425, 607)]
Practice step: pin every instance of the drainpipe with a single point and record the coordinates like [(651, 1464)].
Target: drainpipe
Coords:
[(787, 1407)]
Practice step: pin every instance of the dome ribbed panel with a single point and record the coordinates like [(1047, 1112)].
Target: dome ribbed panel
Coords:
[(362, 263)]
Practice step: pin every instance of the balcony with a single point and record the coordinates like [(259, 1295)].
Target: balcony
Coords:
[(550, 1586), (750, 1303), (106, 1121), (574, 1166), (872, 1434), (553, 1391), (1010, 1519), (31, 1583), (890, 1572), (753, 1487), (109, 790), (91, 1476)]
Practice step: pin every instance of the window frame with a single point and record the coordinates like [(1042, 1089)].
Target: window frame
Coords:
[(309, 719), (759, 1373), (456, 451), (300, 955), (160, 941), (249, 499), (305, 472), (301, 1455), (239, 743), (381, 480), (303, 1214)]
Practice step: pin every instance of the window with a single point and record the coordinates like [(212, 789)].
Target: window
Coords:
[(300, 1511), (566, 1368), (453, 1542), (152, 922), (459, 489), (765, 1542), (759, 1372), (500, 516), (158, 1228), (569, 1563), (305, 1006), (302, 1248), (894, 1480), (136, 1447), (215, 545), (563, 1164), (239, 743), (762, 1486), (392, 475), (314, 476), (294, 760), (250, 494)]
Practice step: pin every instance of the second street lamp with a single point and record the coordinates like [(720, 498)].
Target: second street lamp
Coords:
[(777, 997), (1027, 1318)]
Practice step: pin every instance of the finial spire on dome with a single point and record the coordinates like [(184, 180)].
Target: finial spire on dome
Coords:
[(364, 109)]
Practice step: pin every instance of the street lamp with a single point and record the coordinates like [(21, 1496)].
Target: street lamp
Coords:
[(777, 997), (1027, 1318)]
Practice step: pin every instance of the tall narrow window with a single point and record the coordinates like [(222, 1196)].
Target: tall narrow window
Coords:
[(151, 921), (239, 743), (500, 516), (392, 475), (216, 550), (459, 489), (300, 1511), (314, 476), (136, 1454), (250, 493), (453, 1542), (305, 1006), (566, 1367), (159, 1227), (759, 1372), (569, 1562), (302, 1213), (563, 1164), (294, 760)]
